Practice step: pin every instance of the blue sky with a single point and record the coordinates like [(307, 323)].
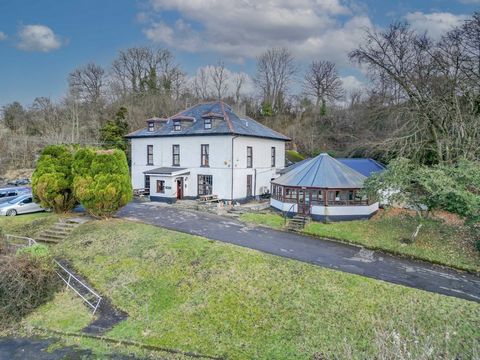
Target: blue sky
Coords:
[(41, 41)]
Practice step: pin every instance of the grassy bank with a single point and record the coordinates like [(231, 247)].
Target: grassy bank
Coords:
[(193, 294), (437, 242), (27, 224)]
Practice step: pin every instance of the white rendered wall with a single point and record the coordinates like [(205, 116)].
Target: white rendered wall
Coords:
[(220, 160), (344, 210), (261, 170)]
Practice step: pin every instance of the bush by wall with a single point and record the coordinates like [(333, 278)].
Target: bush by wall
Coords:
[(101, 180), (52, 180)]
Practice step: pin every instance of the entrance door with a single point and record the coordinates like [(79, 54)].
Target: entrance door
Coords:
[(179, 188), (249, 185), (303, 202)]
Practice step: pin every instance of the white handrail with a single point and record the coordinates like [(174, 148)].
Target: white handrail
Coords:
[(31, 242), (68, 282)]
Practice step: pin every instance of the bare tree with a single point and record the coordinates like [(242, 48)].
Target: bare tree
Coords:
[(433, 124), (219, 77), (200, 84), (88, 82), (322, 82), (238, 82), (275, 70)]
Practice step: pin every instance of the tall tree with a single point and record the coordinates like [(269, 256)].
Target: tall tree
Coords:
[(436, 122), (112, 134), (220, 77), (88, 82), (322, 82), (275, 70), (13, 115)]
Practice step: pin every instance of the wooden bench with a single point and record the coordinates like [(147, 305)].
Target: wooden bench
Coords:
[(208, 198), (141, 192)]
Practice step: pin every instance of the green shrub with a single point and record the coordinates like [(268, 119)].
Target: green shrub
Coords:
[(52, 180), (25, 283), (101, 180), (38, 251), (454, 188)]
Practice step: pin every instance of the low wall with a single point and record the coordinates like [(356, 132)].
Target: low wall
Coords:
[(329, 213)]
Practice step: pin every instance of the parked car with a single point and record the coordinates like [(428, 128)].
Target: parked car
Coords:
[(22, 204), (7, 194), (19, 182)]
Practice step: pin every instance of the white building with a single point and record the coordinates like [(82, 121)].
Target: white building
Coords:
[(206, 150)]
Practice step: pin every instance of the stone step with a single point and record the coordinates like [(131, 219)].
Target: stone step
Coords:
[(52, 236), (55, 232), (43, 239)]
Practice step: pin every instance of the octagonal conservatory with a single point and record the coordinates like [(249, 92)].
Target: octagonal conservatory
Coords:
[(324, 189)]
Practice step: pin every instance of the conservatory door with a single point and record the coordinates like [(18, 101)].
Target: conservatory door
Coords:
[(303, 202)]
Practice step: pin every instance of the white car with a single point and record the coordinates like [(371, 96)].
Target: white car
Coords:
[(22, 204)]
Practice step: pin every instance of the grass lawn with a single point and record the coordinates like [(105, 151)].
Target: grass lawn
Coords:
[(274, 221), (294, 156), (66, 312), (436, 242), (27, 224), (193, 294)]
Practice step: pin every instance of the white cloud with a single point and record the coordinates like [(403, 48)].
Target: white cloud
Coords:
[(38, 38), (244, 29), (3, 36), (351, 83), (436, 23)]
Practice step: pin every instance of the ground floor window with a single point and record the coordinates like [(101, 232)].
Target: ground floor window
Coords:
[(147, 181), (161, 186), (277, 192), (205, 184), (249, 185), (290, 195)]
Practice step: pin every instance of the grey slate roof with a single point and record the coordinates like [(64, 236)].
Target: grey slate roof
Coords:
[(322, 171), (364, 166), (165, 170), (232, 124)]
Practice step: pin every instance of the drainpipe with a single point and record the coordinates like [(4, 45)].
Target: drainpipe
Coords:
[(255, 184), (232, 164)]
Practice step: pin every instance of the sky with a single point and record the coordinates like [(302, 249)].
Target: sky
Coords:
[(41, 41)]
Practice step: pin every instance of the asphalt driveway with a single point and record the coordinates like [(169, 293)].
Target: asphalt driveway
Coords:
[(325, 253)]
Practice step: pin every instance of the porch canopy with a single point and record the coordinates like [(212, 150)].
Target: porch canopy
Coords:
[(322, 180)]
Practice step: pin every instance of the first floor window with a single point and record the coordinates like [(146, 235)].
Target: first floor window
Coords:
[(273, 156), (205, 161), (205, 184), (249, 157), (149, 154), (176, 155), (161, 186)]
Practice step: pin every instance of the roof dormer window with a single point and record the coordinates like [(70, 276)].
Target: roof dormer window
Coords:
[(176, 125), (207, 123), (151, 126)]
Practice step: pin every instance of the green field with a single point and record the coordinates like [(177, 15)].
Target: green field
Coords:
[(437, 242), (193, 294)]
